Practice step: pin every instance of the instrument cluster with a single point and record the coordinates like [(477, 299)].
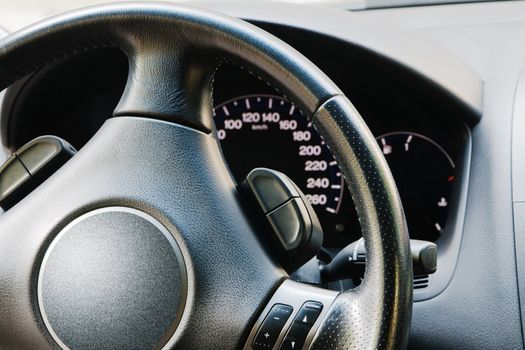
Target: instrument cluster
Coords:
[(260, 128)]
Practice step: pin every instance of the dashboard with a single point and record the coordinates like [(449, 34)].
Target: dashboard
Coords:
[(442, 90)]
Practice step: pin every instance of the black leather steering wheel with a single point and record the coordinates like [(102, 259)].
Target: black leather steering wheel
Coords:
[(141, 240)]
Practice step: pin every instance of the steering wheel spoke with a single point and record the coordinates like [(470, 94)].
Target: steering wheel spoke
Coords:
[(169, 82)]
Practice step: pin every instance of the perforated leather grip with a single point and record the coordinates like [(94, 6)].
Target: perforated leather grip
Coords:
[(377, 314)]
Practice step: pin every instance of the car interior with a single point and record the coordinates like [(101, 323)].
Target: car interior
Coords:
[(324, 174)]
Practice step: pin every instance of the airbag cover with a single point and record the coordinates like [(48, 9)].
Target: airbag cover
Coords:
[(113, 278)]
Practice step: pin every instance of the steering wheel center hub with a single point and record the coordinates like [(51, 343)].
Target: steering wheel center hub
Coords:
[(113, 278)]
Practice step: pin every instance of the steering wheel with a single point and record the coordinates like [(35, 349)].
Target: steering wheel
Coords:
[(141, 240)]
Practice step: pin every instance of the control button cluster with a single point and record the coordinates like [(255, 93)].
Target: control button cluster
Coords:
[(301, 325), (275, 321), (272, 326)]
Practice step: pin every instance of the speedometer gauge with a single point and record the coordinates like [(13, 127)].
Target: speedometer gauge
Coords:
[(269, 131)]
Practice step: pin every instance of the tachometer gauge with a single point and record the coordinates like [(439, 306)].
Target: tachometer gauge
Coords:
[(424, 174), (269, 131)]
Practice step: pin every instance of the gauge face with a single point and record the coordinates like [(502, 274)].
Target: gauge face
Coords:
[(424, 174), (268, 131)]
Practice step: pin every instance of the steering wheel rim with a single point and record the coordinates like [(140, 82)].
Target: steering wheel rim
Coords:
[(173, 51)]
